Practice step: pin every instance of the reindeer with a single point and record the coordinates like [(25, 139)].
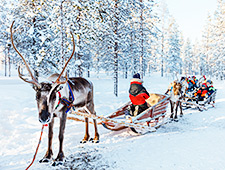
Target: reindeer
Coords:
[(175, 97), (56, 98)]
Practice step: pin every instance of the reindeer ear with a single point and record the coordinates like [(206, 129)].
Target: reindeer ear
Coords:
[(35, 87), (53, 77)]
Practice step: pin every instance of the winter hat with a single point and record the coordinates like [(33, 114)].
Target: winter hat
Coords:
[(209, 81), (182, 78), (137, 75), (204, 85)]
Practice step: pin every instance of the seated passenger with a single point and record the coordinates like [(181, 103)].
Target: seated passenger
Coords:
[(211, 89), (201, 93), (195, 81), (137, 94), (191, 85)]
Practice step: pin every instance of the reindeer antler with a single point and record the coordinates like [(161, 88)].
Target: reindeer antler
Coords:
[(57, 81), (34, 80)]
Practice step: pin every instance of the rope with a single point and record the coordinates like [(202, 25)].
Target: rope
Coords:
[(36, 148), (81, 120), (103, 119)]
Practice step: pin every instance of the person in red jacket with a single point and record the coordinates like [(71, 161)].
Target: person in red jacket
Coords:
[(202, 92), (137, 94)]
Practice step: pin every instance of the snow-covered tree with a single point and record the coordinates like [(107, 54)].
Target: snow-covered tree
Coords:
[(5, 44), (33, 35), (174, 61), (214, 44), (219, 33), (163, 25), (187, 57), (208, 45)]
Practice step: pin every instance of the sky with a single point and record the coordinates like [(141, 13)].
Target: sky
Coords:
[(191, 15)]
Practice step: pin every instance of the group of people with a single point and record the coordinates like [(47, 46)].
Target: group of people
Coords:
[(202, 88), (138, 95)]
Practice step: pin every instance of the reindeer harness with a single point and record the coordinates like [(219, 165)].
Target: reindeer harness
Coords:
[(64, 101)]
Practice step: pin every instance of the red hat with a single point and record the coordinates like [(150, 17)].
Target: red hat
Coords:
[(204, 85)]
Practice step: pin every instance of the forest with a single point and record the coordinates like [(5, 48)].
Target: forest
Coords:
[(118, 37)]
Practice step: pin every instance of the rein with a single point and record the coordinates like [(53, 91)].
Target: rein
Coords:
[(37, 147)]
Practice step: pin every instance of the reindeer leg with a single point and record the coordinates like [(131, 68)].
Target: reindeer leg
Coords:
[(90, 110), (61, 137), (86, 136), (96, 138), (181, 111), (175, 117), (172, 105), (49, 153)]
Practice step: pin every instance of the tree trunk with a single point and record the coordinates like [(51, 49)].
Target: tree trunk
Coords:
[(79, 55), (134, 63), (62, 39), (5, 63), (142, 43), (162, 55), (126, 69), (9, 63), (116, 54)]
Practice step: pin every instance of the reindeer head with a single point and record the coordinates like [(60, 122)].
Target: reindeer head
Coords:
[(177, 86), (44, 89)]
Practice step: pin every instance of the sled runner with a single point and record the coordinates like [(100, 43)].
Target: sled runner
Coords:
[(191, 102), (147, 121)]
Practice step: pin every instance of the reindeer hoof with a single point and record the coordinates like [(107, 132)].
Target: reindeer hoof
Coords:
[(171, 119), (94, 140), (45, 160), (175, 120), (83, 141), (57, 163)]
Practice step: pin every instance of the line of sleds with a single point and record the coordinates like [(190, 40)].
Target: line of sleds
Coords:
[(152, 118), (155, 116), (198, 94)]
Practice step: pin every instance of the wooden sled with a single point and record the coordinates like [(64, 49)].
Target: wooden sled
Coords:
[(201, 105), (147, 121)]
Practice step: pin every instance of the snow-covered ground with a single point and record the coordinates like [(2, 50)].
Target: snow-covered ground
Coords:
[(197, 141)]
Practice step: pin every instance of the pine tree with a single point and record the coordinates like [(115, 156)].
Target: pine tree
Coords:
[(173, 55), (208, 44), (5, 44), (33, 34), (163, 43), (187, 57), (219, 31)]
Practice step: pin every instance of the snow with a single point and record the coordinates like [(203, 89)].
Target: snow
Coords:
[(197, 141)]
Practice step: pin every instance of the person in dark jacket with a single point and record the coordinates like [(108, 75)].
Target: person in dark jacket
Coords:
[(211, 89), (137, 94)]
